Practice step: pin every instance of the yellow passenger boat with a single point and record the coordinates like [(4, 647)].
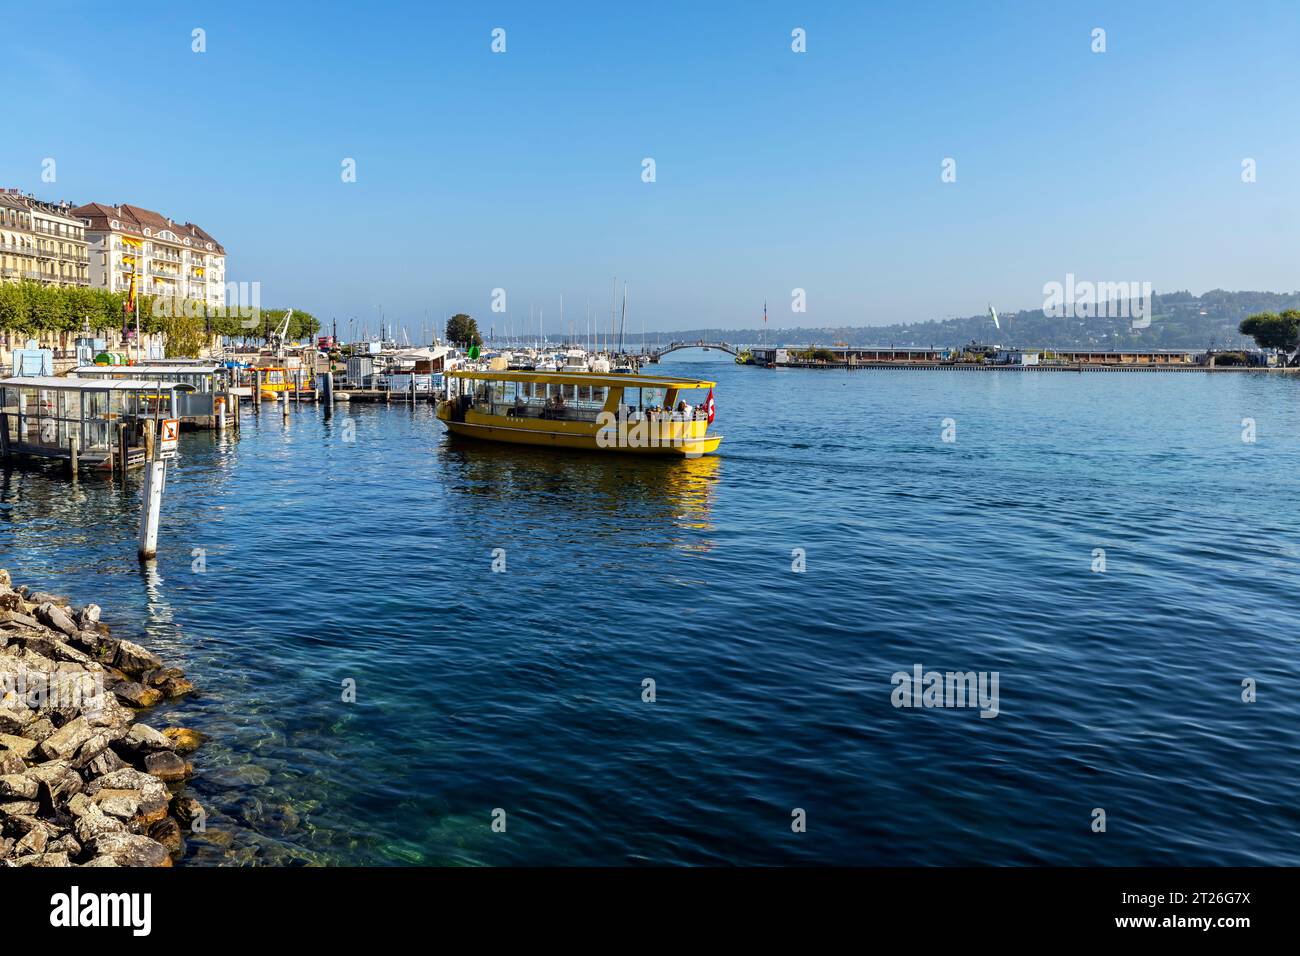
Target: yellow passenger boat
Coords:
[(636, 414), (277, 380)]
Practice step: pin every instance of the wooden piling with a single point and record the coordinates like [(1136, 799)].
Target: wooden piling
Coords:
[(123, 453), (72, 453), (4, 436)]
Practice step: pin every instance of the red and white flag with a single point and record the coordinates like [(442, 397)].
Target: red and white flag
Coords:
[(709, 409)]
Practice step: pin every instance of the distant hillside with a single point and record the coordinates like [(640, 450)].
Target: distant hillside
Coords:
[(1179, 320)]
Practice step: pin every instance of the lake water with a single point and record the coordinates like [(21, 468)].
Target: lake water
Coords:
[(371, 560)]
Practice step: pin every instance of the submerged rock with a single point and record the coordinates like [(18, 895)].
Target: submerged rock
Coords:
[(137, 695), (167, 766), (185, 740)]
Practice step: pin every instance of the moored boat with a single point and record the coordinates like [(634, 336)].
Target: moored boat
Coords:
[(637, 414)]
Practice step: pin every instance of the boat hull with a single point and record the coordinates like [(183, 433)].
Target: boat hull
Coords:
[(685, 447)]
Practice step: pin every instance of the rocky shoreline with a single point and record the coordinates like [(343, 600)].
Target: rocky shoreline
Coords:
[(82, 781)]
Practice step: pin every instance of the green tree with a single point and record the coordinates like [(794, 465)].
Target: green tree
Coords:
[(1273, 331), (463, 331)]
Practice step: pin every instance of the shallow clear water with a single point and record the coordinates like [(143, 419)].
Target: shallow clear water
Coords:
[(371, 560)]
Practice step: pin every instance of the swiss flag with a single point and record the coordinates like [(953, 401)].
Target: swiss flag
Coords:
[(708, 407)]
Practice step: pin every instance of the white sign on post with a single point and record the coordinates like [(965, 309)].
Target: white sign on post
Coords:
[(168, 434)]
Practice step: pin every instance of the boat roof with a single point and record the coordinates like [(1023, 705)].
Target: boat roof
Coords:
[(581, 378), (148, 369), (85, 384)]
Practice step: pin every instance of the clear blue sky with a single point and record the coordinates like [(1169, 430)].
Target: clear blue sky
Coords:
[(775, 170)]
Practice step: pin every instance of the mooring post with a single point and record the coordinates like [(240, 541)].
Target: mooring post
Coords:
[(155, 476), (72, 454), (257, 392), (286, 405), (4, 435), (123, 453)]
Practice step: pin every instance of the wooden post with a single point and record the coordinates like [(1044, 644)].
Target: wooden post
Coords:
[(286, 404), (4, 435), (151, 495), (155, 477), (72, 453), (123, 453), (257, 391)]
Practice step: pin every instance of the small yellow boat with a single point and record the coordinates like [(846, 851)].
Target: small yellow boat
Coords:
[(276, 381), (634, 414)]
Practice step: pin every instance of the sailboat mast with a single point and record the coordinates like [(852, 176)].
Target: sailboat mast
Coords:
[(622, 322)]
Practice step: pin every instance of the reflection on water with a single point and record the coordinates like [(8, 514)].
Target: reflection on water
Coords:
[(582, 493)]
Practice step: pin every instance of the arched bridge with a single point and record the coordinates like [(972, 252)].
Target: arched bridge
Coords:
[(701, 344)]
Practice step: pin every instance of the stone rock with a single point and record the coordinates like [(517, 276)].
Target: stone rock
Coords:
[(166, 766), (156, 677), (188, 810), (6, 846), (88, 752), (58, 859), (68, 739), (19, 809), (154, 795), (14, 715), (39, 729), (34, 841), (101, 861), (134, 659), (130, 849), (123, 804), (58, 781), (106, 650), (12, 616), (51, 615), (184, 740), (142, 738), (55, 650), (168, 832), (44, 597), (137, 695), (105, 762), (176, 687), (88, 641), (65, 844), (19, 745), (10, 762), (5, 580), (88, 616), (94, 823), (19, 787)]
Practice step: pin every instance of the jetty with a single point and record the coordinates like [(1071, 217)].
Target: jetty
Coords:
[(96, 423)]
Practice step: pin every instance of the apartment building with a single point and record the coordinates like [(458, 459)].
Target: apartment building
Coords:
[(169, 258), (41, 241)]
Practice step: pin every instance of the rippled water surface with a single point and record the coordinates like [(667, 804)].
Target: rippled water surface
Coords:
[(328, 560)]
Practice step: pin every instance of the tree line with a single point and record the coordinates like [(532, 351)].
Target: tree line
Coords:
[(29, 308)]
